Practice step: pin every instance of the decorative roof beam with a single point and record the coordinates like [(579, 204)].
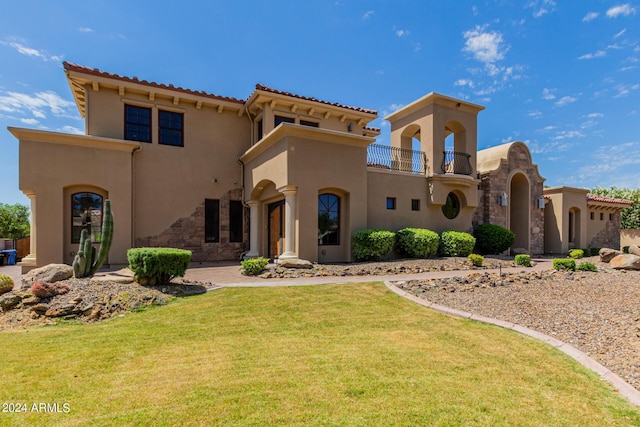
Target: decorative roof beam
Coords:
[(240, 112), (198, 105), (294, 107), (220, 109), (343, 117), (327, 114), (95, 86), (121, 90), (152, 96), (176, 100), (311, 111), (273, 103), (361, 122)]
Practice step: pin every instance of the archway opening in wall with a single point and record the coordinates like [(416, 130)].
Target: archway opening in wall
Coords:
[(519, 209), (574, 228)]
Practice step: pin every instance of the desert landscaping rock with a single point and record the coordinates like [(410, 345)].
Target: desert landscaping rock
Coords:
[(598, 313), (49, 273), (295, 263), (634, 250), (607, 254), (625, 262)]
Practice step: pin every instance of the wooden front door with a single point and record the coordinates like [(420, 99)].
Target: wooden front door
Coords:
[(276, 229)]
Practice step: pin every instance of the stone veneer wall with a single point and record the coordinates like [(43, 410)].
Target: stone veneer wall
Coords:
[(495, 183), (609, 236), (188, 233)]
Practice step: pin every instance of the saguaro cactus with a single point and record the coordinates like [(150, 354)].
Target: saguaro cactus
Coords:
[(86, 263)]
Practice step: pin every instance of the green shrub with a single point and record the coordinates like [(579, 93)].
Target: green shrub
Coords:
[(523, 260), (418, 242), (254, 266), (564, 264), (493, 239), (587, 266), (456, 243), (6, 283), (157, 266), (476, 260), (625, 249), (586, 252), (595, 251), (372, 243), (576, 253)]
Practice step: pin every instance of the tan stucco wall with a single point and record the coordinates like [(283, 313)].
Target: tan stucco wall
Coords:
[(170, 182), (53, 170), (629, 237), (562, 201)]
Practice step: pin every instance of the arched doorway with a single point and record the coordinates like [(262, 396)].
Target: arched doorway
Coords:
[(519, 209)]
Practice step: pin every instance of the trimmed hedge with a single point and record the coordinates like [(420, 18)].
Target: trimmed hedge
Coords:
[(577, 253), (476, 260), (587, 266), (456, 243), (157, 266), (253, 266), (523, 260), (371, 244), (417, 242), (564, 264), (491, 239)]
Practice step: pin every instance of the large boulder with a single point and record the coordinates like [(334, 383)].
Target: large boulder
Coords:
[(294, 263), (49, 273), (634, 249), (607, 254), (625, 262)]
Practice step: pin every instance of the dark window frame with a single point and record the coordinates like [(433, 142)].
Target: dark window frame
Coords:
[(211, 220), (415, 204), (170, 128), (131, 125), (451, 209), (391, 203), (282, 119), (309, 123), (236, 221), (94, 229), (329, 217)]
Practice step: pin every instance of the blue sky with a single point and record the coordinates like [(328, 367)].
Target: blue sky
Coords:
[(561, 76)]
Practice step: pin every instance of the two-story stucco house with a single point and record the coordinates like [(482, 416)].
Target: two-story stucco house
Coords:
[(279, 175)]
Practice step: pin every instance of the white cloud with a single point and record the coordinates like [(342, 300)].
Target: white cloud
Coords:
[(568, 134), (464, 82), (548, 94), (367, 14), (566, 100), (30, 122), (85, 30), (535, 114), (37, 105), (595, 115), (625, 89), (71, 129), (417, 47), (623, 9), (596, 54), (402, 33), (485, 46), (590, 16), (28, 51), (620, 33), (541, 7)]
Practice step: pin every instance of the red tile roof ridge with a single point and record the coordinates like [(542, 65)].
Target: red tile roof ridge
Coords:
[(597, 198), (307, 98), (372, 128), (70, 66)]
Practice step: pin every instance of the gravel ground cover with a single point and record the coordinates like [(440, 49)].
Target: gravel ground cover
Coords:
[(596, 312)]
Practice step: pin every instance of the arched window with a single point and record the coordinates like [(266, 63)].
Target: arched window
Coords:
[(328, 219), (452, 208), (86, 214)]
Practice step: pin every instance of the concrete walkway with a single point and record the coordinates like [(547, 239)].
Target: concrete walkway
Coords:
[(228, 275)]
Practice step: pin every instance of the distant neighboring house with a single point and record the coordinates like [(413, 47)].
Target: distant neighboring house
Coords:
[(279, 175)]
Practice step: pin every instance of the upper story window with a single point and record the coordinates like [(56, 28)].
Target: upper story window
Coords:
[(170, 129), (309, 123), (282, 119), (86, 214), (137, 123)]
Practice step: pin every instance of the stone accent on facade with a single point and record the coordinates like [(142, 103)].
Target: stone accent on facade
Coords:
[(188, 233), (609, 236), (496, 182)]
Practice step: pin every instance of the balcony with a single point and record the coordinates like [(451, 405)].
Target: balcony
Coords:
[(458, 163), (396, 159)]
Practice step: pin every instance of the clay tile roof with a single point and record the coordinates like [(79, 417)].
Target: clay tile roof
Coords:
[(306, 98), (595, 198), (68, 66), (372, 129)]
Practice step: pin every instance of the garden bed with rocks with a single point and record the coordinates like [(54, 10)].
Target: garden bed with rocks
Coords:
[(596, 312)]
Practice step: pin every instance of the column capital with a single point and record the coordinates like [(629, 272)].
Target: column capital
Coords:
[(288, 189)]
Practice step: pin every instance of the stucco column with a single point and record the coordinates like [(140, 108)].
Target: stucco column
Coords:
[(29, 262), (289, 221), (253, 228)]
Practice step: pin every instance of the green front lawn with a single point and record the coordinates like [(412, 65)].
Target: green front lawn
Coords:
[(322, 355)]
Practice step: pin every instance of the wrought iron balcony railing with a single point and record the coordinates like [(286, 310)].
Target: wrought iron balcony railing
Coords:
[(456, 162), (396, 159)]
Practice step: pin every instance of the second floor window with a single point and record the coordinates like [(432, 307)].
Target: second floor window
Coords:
[(137, 123), (170, 129)]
